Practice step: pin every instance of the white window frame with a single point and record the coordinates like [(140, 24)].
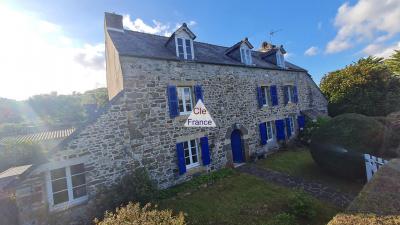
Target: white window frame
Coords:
[(291, 120), (181, 94), (71, 200), (185, 56), (289, 93), (192, 164), (280, 59), (245, 55), (267, 93), (270, 130)]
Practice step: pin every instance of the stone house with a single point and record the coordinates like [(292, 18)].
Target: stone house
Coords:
[(255, 97)]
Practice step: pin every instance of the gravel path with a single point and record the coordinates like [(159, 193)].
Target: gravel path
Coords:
[(317, 190)]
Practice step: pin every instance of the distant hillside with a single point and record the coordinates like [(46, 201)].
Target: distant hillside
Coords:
[(48, 110)]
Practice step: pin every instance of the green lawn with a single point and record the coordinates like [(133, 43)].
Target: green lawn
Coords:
[(237, 199), (300, 163)]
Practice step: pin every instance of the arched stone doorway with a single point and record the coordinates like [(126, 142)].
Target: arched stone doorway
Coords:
[(237, 147)]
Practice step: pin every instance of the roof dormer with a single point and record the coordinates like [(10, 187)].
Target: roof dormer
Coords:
[(273, 54), (181, 42), (241, 51)]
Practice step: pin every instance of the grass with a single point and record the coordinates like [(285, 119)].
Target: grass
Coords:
[(237, 199), (300, 163)]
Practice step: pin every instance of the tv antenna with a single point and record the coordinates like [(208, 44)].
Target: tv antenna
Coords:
[(272, 33)]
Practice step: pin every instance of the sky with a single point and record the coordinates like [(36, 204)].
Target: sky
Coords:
[(58, 46)]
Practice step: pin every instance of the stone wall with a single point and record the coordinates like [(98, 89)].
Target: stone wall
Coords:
[(229, 95), (135, 130)]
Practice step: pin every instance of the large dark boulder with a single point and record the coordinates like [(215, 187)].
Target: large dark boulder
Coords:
[(338, 145)]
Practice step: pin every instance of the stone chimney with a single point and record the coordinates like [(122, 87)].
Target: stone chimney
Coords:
[(113, 22), (265, 47)]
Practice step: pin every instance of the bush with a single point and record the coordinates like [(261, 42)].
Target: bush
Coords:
[(18, 154), (310, 128), (134, 214), (283, 219), (133, 187), (301, 205)]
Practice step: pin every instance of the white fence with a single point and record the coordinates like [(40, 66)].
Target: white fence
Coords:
[(372, 164)]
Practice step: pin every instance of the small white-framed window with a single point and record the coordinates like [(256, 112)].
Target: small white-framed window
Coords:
[(184, 48), (270, 131), (292, 124), (245, 56), (290, 93), (266, 94), (280, 59), (185, 101), (191, 151), (66, 186)]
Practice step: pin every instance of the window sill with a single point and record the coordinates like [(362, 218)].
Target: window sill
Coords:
[(68, 205), (192, 166)]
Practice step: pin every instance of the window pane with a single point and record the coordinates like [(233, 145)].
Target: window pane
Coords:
[(186, 152), (193, 150), (185, 145), (60, 197), (180, 42), (195, 159), (263, 90), (58, 173), (79, 191), (78, 180), (80, 168), (187, 161), (59, 185), (188, 99), (188, 49)]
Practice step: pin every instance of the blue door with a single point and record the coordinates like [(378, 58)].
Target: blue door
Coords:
[(236, 144)]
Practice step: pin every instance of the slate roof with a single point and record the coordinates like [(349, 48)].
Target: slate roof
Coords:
[(14, 171), (39, 137), (138, 44)]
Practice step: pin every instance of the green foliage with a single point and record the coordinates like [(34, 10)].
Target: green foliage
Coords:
[(18, 154), (50, 109), (133, 214), (196, 182), (394, 62), (311, 126), (367, 87), (283, 219), (133, 187), (301, 205)]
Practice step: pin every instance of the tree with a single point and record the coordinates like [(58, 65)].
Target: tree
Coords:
[(394, 62), (366, 87), (18, 154)]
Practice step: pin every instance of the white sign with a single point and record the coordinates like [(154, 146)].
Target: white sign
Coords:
[(200, 117)]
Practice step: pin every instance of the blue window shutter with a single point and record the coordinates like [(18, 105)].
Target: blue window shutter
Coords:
[(274, 95), (280, 129), (205, 152), (285, 94), (295, 96), (172, 101), (198, 92), (288, 130), (263, 133), (181, 158), (301, 121), (259, 97)]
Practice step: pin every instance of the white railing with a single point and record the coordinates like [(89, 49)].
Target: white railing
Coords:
[(372, 164)]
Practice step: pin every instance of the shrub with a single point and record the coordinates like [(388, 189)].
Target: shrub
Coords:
[(283, 219), (18, 154), (134, 214), (310, 128), (301, 205), (135, 186)]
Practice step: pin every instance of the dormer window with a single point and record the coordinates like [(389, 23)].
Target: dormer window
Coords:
[(184, 48), (245, 55), (280, 59)]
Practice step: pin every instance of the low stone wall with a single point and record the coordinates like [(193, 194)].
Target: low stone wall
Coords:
[(378, 202)]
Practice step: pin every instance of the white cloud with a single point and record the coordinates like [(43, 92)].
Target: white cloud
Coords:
[(157, 27), (380, 50), (311, 51), (366, 21), (37, 57)]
